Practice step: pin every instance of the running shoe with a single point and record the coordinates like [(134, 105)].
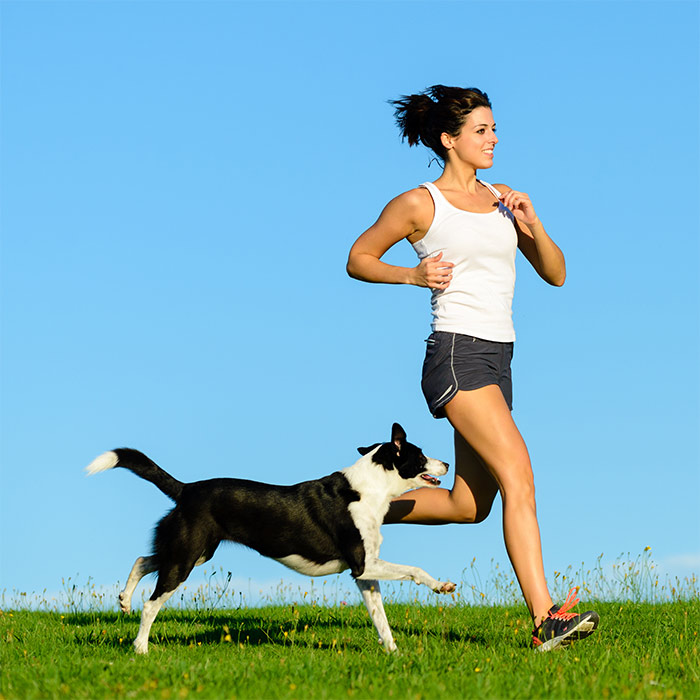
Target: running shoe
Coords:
[(561, 627)]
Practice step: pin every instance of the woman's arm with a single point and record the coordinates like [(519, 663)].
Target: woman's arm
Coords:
[(540, 250), (407, 216)]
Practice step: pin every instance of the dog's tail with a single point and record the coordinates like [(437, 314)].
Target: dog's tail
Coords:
[(142, 466)]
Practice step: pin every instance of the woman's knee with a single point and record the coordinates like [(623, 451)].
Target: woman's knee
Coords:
[(471, 511), (482, 513), (518, 483)]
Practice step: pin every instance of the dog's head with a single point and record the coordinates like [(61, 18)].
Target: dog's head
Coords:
[(406, 461)]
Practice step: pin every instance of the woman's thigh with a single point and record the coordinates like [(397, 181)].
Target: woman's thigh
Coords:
[(474, 488), (483, 420)]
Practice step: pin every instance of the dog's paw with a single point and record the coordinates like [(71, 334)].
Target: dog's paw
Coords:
[(124, 603), (388, 645), (446, 587)]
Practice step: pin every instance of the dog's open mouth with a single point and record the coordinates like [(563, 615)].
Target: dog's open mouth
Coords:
[(430, 479)]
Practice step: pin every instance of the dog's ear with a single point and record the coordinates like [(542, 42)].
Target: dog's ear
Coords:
[(398, 435), (364, 450)]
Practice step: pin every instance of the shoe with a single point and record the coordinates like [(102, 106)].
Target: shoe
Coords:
[(561, 627)]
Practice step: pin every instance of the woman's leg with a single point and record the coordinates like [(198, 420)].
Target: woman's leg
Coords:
[(491, 456), (484, 420), (469, 500)]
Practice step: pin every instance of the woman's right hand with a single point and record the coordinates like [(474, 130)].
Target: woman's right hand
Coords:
[(433, 272)]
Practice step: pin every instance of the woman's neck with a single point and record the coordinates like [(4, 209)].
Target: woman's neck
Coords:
[(462, 178)]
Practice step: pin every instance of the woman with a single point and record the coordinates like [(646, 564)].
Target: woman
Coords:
[(465, 233)]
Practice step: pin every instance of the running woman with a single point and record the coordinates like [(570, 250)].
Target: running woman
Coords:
[(466, 232)]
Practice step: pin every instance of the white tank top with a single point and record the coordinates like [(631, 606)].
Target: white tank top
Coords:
[(479, 299)]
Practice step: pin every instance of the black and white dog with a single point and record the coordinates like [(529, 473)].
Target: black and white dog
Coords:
[(317, 527)]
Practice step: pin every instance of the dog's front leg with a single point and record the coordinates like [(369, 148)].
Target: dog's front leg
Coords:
[(386, 571), (372, 596)]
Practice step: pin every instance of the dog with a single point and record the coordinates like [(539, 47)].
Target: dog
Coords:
[(317, 527)]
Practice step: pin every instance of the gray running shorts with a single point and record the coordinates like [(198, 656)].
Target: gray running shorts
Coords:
[(456, 362)]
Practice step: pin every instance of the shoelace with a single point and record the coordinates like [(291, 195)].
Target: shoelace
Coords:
[(558, 613), (563, 613)]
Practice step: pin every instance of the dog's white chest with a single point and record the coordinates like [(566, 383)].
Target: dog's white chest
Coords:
[(366, 521), (312, 568)]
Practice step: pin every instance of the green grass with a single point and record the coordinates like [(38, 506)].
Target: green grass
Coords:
[(209, 642), (642, 650)]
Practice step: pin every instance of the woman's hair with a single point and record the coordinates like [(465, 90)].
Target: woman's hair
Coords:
[(422, 118)]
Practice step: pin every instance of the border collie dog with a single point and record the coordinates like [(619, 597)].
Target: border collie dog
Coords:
[(318, 527)]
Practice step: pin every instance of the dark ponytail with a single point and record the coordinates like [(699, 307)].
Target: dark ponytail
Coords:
[(422, 118)]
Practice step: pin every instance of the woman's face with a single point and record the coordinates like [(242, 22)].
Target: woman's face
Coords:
[(475, 142)]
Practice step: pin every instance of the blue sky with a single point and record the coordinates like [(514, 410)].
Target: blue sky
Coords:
[(181, 183)]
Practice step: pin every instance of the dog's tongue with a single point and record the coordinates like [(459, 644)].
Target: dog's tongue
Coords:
[(430, 479)]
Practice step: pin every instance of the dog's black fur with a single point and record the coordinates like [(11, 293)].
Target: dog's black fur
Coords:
[(263, 517), (316, 527)]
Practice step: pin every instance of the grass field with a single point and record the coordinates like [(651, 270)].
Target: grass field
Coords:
[(641, 651), (211, 647)]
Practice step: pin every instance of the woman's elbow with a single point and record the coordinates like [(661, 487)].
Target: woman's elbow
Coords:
[(559, 280), (555, 274), (360, 265), (351, 267)]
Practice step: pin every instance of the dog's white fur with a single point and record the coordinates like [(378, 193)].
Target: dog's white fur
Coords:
[(105, 461)]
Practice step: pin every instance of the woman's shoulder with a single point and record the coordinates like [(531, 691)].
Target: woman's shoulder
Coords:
[(412, 202), (417, 197), (414, 207), (501, 188)]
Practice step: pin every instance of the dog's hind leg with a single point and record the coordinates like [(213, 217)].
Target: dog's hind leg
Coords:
[(169, 579), (150, 610), (142, 566), (206, 556), (372, 596)]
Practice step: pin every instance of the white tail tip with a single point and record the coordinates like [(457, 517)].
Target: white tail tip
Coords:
[(105, 461)]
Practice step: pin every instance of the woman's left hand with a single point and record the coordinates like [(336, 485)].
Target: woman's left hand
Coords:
[(521, 206)]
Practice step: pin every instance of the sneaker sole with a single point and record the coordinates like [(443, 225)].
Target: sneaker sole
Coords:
[(584, 628)]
